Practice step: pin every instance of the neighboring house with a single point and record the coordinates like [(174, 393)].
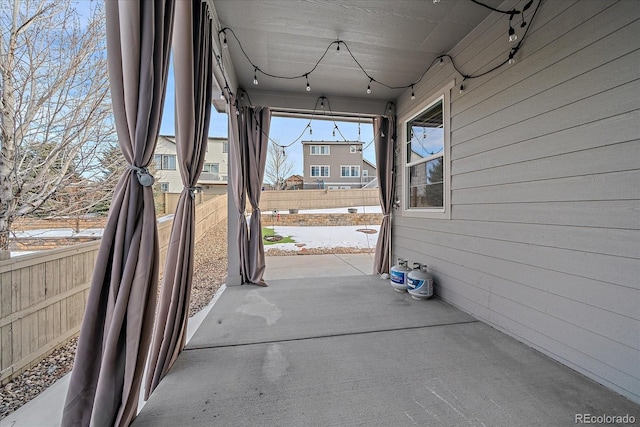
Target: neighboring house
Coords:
[(213, 178), (294, 182), (335, 165)]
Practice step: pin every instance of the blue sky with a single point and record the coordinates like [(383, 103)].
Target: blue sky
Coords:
[(283, 130)]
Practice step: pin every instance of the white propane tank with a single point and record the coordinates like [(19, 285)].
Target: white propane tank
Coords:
[(419, 282), (399, 275)]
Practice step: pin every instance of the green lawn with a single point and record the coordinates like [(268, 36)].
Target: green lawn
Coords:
[(266, 231)]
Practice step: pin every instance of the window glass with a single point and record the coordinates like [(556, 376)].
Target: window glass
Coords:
[(425, 158)]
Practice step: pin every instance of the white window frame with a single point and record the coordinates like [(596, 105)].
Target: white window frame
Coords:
[(351, 168), (365, 173), (320, 169), (159, 160), (320, 149), (444, 95), (164, 187)]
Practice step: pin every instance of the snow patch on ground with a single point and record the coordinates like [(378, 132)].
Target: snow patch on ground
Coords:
[(326, 237)]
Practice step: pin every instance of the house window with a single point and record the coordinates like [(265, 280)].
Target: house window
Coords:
[(320, 150), (426, 160), (353, 149), (165, 161), (164, 187), (365, 173), (320, 171), (349, 171), (225, 147), (211, 168)]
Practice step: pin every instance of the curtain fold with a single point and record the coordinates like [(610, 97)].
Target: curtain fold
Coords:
[(247, 159), (193, 62), (118, 322), (384, 140)]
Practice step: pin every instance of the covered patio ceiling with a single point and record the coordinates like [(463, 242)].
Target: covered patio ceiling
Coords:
[(393, 41)]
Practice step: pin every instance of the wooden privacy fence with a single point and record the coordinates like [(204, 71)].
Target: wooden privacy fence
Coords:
[(43, 295), (317, 199)]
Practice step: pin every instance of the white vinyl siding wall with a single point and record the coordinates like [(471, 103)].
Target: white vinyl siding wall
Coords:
[(544, 236)]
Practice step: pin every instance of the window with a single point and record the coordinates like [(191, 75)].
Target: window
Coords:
[(225, 147), (426, 160), (365, 172), (211, 168), (165, 161), (349, 171), (353, 149), (320, 150), (164, 187), (320, 171)]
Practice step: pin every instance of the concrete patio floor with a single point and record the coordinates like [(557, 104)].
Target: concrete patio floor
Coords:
[(327, 344)]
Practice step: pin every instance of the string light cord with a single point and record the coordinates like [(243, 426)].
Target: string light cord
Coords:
[(511, 13)]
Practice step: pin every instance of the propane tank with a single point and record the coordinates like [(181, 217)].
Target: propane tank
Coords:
[(419, 282), (399, 275)]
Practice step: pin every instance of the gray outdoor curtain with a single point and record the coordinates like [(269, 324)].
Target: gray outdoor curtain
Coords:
[(249, 130), (118, 322), (193, 62), (384, 139)]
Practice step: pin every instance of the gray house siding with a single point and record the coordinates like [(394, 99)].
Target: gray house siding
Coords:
[(544, 236), (339, 156)]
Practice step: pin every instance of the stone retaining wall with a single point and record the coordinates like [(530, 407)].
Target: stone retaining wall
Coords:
[(322, 219)]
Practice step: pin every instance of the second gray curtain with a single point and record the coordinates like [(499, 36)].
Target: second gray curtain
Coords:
[(193, 62), (384, 139), (247, 158)]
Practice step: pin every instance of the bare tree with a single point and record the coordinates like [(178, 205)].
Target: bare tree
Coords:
[(55, 111), (278, 167)]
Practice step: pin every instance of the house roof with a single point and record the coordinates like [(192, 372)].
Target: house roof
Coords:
[(369, 163)]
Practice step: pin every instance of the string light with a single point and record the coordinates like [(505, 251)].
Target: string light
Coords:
[(511, 58), (255, 76), (224, 41), (413, 95), (436, 1), (222, 96), (369, 86), (338, 48), (512, 34), (441, 61), (462, 88), (306, 76)]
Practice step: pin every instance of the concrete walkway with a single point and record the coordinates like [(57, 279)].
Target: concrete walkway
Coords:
[(318, 350)]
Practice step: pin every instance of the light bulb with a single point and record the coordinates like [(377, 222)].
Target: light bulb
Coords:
[(334, 131), (441, 61), (224, 41), (436, 1), (222, 95), (369, 89), (306, 76), (511, 60), (308, 88), (382, 135), (413, 95), (512, 35), (310, 130), (461, 89), (255, 76), (338, 49)]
